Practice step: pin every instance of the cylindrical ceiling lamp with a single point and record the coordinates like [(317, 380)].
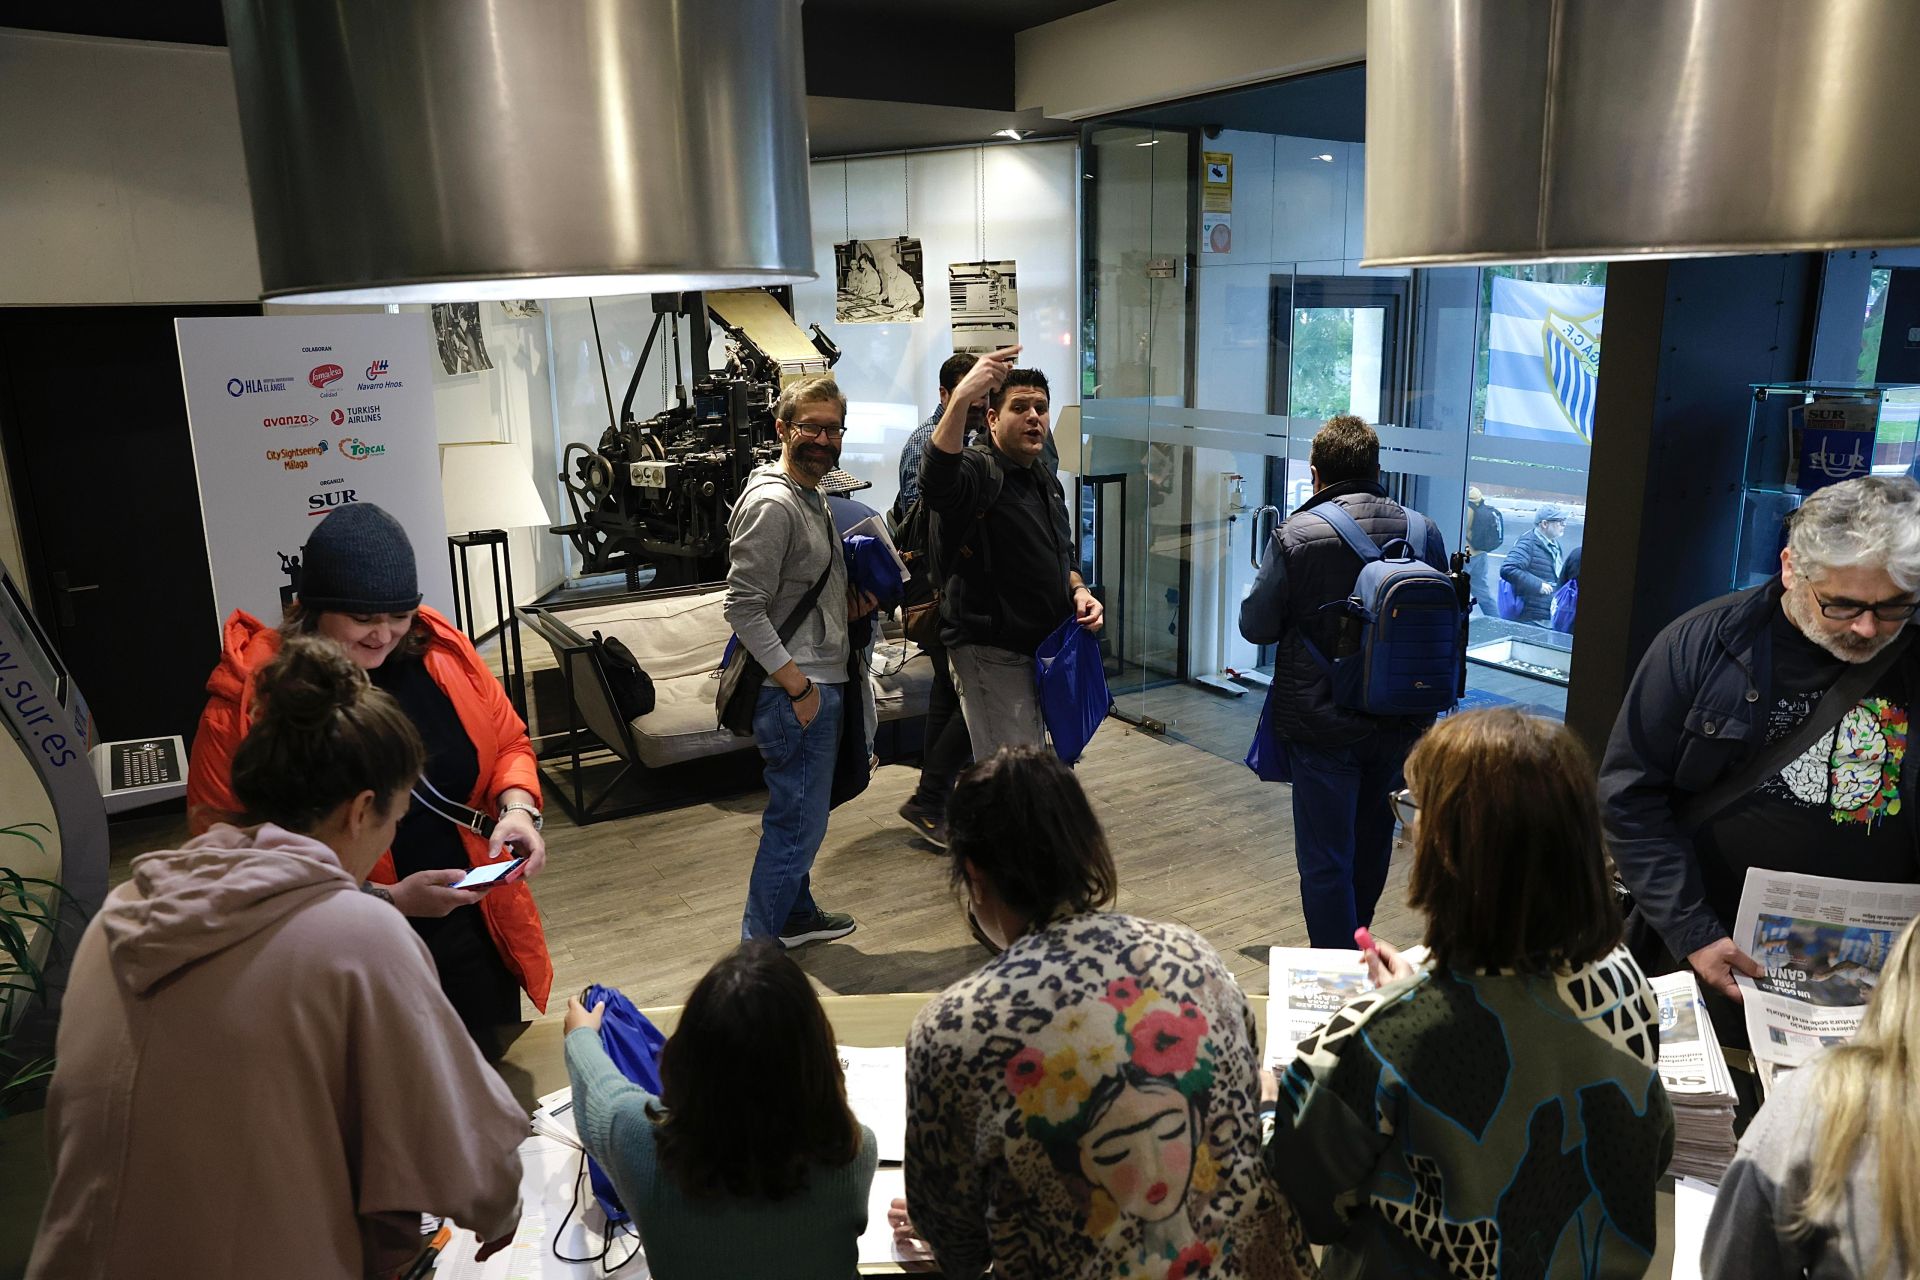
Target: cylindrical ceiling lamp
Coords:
[(467, 149), (1527, 130)]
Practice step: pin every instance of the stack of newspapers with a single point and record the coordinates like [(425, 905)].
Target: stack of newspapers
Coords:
[(1698, 1085)]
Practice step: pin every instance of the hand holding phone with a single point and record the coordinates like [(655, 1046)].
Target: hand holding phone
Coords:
[(491, 873)]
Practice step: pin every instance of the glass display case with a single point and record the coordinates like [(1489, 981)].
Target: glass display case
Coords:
[(1802, 436)]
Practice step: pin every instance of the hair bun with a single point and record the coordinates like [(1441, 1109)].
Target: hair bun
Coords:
[(308, 682)]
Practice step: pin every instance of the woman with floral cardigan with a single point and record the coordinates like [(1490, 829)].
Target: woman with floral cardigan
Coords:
[(1086, 1105)]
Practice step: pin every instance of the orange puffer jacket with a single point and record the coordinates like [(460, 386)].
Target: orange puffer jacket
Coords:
[(499, 740)]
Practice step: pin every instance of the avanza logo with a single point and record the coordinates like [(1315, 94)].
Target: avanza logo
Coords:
[(376, 370), (356, 448), (290, 420), (321, 375)]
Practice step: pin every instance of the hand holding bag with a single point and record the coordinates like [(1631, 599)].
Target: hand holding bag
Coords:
[(1073, 688)]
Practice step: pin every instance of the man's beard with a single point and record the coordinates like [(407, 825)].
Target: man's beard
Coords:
[(1846, 646), (815, 459)]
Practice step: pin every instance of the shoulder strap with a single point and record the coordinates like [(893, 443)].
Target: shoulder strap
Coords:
[(1839, 699), (792, 624), (1347, 527)]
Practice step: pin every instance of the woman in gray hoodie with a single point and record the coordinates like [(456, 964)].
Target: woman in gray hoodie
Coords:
[(258, 1074)]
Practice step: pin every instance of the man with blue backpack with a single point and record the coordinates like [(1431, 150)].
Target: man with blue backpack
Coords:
[(1370, 625)]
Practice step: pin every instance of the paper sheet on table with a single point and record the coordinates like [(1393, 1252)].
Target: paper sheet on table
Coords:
[(877, 1092), (549, 1171), (1692, 1206), (876, 1242), (553, 1117)]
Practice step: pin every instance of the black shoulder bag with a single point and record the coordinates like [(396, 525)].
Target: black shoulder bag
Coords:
[(742, 676)]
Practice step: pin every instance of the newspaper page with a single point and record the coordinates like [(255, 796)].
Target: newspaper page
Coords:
[(1305, 987), (1822, 943), (1698, 1083)]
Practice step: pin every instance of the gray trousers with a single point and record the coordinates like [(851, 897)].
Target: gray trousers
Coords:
[(999, 696)]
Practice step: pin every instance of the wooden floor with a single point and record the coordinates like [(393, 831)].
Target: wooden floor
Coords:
[(645, 904)]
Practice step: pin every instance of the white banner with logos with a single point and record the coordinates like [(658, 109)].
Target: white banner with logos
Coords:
[(296, 416)]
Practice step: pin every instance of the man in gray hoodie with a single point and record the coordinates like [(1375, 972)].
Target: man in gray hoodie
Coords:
[(788, 601)]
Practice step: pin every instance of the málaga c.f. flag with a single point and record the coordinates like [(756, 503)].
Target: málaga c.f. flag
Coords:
[(1543, 359)]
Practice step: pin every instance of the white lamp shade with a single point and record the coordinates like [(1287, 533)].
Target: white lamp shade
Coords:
[(488, 486)]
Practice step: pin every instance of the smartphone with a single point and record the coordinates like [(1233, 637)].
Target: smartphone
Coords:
[(481, 877)]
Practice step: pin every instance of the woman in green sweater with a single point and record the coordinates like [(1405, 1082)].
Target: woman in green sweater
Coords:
[(750, 1162)]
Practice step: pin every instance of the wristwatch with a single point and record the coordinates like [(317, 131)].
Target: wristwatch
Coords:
[(527, 809)]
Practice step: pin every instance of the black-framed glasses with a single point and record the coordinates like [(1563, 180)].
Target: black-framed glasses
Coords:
[(1405, 807), (820, 430), (1848, 610)]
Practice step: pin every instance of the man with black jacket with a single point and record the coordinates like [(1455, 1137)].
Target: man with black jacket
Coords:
[(1004, 548), (1723, 682), (1345, 764)]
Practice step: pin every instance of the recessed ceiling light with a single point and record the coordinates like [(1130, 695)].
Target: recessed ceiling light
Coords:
[(1152, 142), (1014, 135), (1324, 156)]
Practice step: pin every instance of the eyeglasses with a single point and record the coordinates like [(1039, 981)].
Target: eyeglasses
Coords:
[(1404, 806), (819, 430), (1848, 610)]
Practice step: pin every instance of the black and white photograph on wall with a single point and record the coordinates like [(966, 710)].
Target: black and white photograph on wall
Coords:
[(520, 308), (878, 281), (984, 300), (456, 327)]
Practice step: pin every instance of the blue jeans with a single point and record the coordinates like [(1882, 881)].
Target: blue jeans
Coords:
[(1343, 829), (799, 784)]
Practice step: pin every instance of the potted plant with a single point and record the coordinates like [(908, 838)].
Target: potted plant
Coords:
[(29, 925)]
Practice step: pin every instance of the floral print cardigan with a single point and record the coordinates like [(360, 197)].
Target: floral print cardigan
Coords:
[(1086, 1105)]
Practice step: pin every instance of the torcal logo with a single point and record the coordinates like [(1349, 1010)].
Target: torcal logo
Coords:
[(356, 448)]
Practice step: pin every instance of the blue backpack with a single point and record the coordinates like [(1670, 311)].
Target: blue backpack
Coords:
[(1413, 635)]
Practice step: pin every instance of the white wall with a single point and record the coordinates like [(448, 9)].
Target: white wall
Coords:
[(1130, 53), (1029, 195)]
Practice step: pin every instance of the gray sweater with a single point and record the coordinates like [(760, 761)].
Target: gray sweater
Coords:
[(815, 1233), (1748, 1237), (781, 538)]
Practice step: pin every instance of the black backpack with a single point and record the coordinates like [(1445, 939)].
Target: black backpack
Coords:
[(632, 687), (917, 534)]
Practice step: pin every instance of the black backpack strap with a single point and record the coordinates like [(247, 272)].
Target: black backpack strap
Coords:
[(792, 624), (1833, 706)]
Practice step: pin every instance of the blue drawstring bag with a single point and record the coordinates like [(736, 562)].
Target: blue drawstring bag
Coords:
[(871, 568), (1267, 757), (634, 1044), (1565, 601), (1073, 688), (1508, 601)]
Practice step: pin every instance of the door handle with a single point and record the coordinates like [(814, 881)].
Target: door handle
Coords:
[(1260, 539)]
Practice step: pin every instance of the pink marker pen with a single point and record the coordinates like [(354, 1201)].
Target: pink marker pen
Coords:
[(1363, 939)]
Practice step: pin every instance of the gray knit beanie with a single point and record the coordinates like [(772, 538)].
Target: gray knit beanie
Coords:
[(359, 561)]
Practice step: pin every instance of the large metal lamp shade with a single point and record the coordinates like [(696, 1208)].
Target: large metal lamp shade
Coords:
[(1523, 130), (469, 149)]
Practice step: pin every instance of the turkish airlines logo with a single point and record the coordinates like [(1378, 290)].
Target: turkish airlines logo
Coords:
[(324, 374)]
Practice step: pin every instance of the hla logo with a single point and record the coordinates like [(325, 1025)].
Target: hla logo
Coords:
[(318, 504), (376, 370), (356, 448), (237, 387), (324, 374)]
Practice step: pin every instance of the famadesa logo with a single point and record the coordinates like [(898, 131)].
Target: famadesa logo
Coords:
[(323, 374), (378, 377), (290, 420), (360, 450)]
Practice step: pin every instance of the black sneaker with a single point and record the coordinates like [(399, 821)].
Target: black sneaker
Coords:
[(818, 927), (926, 823)]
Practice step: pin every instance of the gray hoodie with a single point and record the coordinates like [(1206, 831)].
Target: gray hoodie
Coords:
[(258, 1073), (782, 537)]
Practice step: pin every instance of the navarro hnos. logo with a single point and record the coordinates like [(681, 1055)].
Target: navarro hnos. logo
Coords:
[(323, 374), (377, 377), (318, 504), (359, 450), (296, 459), (290, 420), (237, 387)]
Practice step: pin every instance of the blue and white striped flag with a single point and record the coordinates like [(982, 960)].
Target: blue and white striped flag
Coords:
[(1543, 359)]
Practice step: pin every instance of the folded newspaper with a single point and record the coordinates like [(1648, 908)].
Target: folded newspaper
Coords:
[(1698, 1084), (1305, 987), (1822, 943)]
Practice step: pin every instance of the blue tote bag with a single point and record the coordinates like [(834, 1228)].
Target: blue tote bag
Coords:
[(1267, 757), (634, 1044), (1566, 602), (1073, 688)]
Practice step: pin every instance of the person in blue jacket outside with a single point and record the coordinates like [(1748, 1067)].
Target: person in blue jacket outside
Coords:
[(1533, 567)]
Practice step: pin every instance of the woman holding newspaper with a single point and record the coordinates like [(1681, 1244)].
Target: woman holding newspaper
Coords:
[(1825, 1184), (1494, 1102)]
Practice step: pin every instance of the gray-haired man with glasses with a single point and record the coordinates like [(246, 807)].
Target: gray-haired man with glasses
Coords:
[(1702, 778)]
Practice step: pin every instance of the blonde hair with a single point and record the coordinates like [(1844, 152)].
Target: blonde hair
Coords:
[(1865, 1087)]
